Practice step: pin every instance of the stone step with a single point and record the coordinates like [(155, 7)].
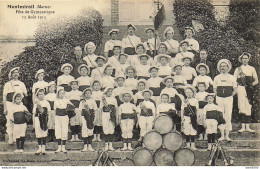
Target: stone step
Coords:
[(52, 146), (198, 162), (247, 157), (235, 127), (30, 136)]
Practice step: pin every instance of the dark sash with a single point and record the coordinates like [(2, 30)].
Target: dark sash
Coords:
[(98, 103), (143, 77), (139, 101), (148, 52), (70, 110), (83, 87), (112, 114), (19, 117), (172, 55), (247, 82), (224, 91), (9, 97), (190, 81), (51, 104), (217, 115), (119, 102), (192, 114), (177, 101), (149, 113), (163, 76), (156, 91), (130, 51), (75, 103), (67, 88), (89, 116), (61, 112), (43, 118), (110, 53), (202, 104), (134, 91), (128, 116), (172, 113)]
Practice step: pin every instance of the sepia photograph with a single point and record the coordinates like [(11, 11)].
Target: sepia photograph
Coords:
[(129, 83)]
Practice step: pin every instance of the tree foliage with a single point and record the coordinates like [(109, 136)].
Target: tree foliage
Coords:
[(187, 10), (248, 12), (55, 40)]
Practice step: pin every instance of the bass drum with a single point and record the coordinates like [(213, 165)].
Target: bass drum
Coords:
[(184, 157), (163, 124), (163, 157), (142, 157), (152, 140), (172, 141)]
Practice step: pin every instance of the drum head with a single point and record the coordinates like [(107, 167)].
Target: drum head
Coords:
[(173, 141), (163, 124), (184, 157), (152, 140), (142, 157), (163, 157)]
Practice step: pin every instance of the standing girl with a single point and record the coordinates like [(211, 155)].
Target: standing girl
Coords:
[(109, 108), (17, 114), (51, 97), (189, 120), (247, 79), (41, 110), (61, 119), (88, 109)]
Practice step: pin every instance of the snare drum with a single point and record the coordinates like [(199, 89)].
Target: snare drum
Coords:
[(172, 141), (163, 124), (142, 157), (184, 157), (152, 140), (163, 157)]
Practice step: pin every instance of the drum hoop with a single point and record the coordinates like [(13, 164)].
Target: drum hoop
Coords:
[(143, 148), (161, 116), (161, 149), (183, 149), (153, 131), (158, 134), (173, 132)]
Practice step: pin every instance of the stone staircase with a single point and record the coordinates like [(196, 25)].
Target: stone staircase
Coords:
[(244, 150)]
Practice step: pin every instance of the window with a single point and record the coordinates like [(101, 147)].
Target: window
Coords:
[(135, 11)]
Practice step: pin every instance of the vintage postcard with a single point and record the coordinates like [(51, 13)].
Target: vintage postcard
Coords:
[(129, 83)]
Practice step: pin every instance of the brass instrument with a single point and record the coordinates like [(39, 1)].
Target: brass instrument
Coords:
[(103, 159), (216, 152)]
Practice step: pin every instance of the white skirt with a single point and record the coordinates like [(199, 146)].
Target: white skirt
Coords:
[(19, 130), (51, 120), (200, 117), (86, 132), (187, 127), (243, 104), (38, 131)]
